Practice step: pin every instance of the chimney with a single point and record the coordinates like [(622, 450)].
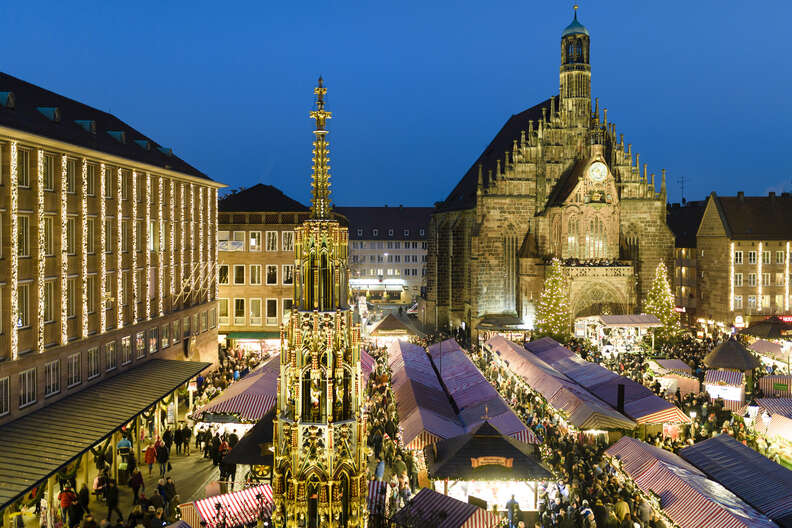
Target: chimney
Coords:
[(741, 196), (620, 398)]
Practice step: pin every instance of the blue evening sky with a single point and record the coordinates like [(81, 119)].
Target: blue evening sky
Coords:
[(418, 87)]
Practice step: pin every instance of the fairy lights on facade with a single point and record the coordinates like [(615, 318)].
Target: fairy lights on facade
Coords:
[(133, 239), (786, 278), (731, 277), (213, 242), (120, 286), (192, 241), (201, 241), (171, 249), (102, 273), (40, 251), (147, 249), (84, 248), (160, 245), (759, 277), (63, 254), (181, 238), (13, 277)]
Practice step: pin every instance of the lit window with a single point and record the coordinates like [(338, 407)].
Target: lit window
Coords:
[(287, 243), (223, 274), (153, 340), (255, 241), (140, 344), (255, 312), (239, 312), (738, 302), (126, 350), (23, 167), (165, 336), (752, 257), (222, 306), (272, 241), (255, 274)]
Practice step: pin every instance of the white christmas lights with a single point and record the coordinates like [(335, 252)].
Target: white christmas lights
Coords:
[(171, 249), (13, 205), (181, 240), (40, 250), (84, 248), (759, 276), (102, 248), (731, 277), (200, 240), (119, 261), (147, 248), (134, 296), (63, 255), (160, 244), (192, 241)]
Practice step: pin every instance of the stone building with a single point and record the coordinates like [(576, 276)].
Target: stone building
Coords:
[(743, 252), (108, 250), (684, 221), (256, 265), (556, 181), (387, 251)]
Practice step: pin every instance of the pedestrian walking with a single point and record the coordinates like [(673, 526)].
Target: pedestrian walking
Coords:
[(150, 457), (162, 458), (136, 483), (66, 497), (111, 496)]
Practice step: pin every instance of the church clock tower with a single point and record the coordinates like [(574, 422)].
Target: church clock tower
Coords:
[(319, 470), (575, 91)]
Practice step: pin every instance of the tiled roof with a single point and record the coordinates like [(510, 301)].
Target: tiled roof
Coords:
[(383, 219), (38, 111), (260, 197), (464, 194), (756, 217), (684, 220)]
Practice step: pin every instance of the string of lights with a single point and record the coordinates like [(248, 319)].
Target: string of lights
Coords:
[(120, 286), (102, 273), (133, 239), (40, 251), (13, 277), (84, 247), (63, 253), (147, 250)]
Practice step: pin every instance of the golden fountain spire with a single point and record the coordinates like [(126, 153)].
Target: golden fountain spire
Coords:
[(320, 177)]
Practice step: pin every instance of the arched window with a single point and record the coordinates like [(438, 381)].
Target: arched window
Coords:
[(573, 235), (596, 239)]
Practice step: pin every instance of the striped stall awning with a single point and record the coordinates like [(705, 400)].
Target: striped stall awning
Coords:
[(366, 364), (247, 407), (423, 439), (250, 398), (776, 386), (430, 508), (672, 415), (674, 365), (780, 426), (240, 507), (732, 378), (376, 497), (771, 406), (526, 436)]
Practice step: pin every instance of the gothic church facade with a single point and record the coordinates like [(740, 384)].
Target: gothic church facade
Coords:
[(557, 181)]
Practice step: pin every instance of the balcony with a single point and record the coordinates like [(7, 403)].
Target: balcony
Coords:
[(231, 245)]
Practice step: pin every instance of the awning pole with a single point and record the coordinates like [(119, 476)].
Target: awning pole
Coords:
[(139, 439), (114, 443)]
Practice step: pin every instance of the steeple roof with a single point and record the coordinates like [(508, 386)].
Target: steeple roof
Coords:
[(575, 27)]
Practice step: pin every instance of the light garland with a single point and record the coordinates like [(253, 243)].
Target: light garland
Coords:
[(41, 250), (171, 249), (731, 277), (63, 256), (102, 249), (160, 243), (213, 241), (147, 249), (786, 278), (120, 286), (84, 248), (759, 276), (200, 241), (133, 197), (181, 243), (192, 240), (13, 277)]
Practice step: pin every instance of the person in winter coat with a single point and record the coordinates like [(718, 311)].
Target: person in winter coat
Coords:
[(177, 439), (65, 498), (111, 496), (136, 483), (167, 437), (162, 458), (150, 456)]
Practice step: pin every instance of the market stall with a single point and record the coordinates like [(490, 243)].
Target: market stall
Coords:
[(733, 355), (231, 510), (390, 329), (617, 334), (673, 374), (729, 385), (262, 343), (773, 354), (487, 466), (776, 386), (686, 495), (255, 449), (432, 509)]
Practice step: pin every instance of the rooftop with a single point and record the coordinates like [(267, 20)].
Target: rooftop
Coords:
[(32, 109), (684, 220), (756, 217), (259, 198), (384, 219)]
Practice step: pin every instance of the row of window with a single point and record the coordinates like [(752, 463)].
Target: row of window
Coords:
[(24, 234), (376, 232), (248, 312), (254, 275), (752, 302), (105, 358), (766, 257), (391, 244), (26, 172), (235, 241), (393, 272), (766, 279), (388, 258)]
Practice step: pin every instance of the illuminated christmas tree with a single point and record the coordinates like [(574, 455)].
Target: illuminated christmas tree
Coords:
[(552, 314), (660, 303)]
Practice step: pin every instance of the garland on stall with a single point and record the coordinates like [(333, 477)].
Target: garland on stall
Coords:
[(102, 455)]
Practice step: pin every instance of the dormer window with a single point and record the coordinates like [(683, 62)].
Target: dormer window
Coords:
[(360, 232), (390, 232), (375, 233), (7, 99), (50, 112), (406, 233), (118, 135), (421, 232), (88, 125), (165, 150), (143, 143)]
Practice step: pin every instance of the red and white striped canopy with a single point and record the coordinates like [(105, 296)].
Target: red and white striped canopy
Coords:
[(366, 364), (724, 377), (431, 508), (376, 497), (248, 399), (238, 508)]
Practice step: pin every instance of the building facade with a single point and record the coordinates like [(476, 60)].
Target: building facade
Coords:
[(684, 221), (320, 473), (108, 249), (387, 251), (743, 253), (256, 230), (557, 181)]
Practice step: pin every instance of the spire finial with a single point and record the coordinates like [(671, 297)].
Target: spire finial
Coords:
[(575, 7), (320, 177)]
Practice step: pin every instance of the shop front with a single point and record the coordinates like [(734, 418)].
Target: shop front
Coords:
[(262, 343)]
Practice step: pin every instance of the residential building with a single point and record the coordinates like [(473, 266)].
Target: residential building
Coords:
[(387, 251), (256, 229), (557, 181), (108, 249), (743, 252), (684, 221)]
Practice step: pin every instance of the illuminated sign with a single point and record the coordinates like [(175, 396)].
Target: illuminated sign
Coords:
[(492, 461), (679, 309)]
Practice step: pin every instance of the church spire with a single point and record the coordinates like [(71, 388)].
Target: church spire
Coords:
[(320, 176)]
